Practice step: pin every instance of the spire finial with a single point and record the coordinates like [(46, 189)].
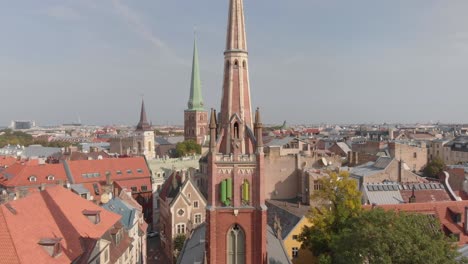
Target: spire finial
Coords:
[(258, 121), (213, 119)]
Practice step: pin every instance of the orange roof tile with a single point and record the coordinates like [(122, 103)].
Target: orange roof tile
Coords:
[(8, 254), (54, 213), (18, 174), (6, 161), (119, 169), (138, 183)]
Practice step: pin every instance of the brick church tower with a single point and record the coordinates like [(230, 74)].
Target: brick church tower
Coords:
[(236, 212), (195, 117)]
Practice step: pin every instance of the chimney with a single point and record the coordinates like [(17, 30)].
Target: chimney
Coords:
[(108, 178), (412, 199), (42, 187), (183, 177), (466, 218), (350, 158), (355, 158), (298, 204), (400, 165)]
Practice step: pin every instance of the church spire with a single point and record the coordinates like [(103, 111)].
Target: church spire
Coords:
[(235, 102), (143, 123), (236, 37), (195, 101)]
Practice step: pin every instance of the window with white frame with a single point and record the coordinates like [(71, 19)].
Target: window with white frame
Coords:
[(195, 204), (198, 218), (295, 252), (180, 229)]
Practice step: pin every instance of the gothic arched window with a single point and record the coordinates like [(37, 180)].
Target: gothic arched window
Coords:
[(244, 64), (236, 130), (236, 64), (236, 245)]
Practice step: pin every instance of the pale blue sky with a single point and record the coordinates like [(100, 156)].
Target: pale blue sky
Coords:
[(311, 61)]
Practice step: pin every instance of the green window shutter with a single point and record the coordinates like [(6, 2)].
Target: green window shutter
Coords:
[(245, 191), (223, 191), (229, 188)]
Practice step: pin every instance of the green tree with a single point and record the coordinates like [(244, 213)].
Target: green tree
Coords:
[(434, 167), (341, 232), (188, 147), (337, 200), (178, 243), (382, 237)]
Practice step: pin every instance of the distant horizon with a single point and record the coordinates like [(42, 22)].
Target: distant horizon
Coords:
[(311, 125), (312, 61)]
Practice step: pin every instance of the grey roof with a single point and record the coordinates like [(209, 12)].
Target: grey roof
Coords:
[(39, 151), (194, 248), (276, 250), (162, 141), (344, 147), (383, 194), (279, 141), (289, 214), (371, 168), (79, 188), (383, 162), (193, 251), (463, 250), (122, 208), (168, 140)]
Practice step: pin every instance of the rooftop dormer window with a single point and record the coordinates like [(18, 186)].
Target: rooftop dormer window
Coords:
[(129, 171), (139, 170), (93, 215), (50, 178), (52, 246), (119, 172), (32, 178)]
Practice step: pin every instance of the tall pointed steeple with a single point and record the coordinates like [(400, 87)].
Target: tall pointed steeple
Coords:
[(143, 123), (236, 212), (195, 101), (236, 36), (236, 102)]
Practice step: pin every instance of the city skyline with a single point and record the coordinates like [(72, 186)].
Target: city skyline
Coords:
[(311, 62)]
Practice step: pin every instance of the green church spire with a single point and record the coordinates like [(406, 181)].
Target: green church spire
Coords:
[(195, 101)]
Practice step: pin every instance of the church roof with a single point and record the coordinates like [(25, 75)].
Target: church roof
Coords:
[(143, 123), (195, 101)]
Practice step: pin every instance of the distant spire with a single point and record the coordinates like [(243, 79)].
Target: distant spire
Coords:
[(195, 101), (143, 123)]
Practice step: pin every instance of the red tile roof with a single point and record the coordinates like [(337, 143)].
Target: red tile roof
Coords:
[(167, 189), (19, 174), (426, 196), (136, 183), (8, 254), (6, 161), (442, 210), (53, 213), (95, 170)]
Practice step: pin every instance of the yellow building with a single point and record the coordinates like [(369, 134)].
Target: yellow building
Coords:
[(287, 218)]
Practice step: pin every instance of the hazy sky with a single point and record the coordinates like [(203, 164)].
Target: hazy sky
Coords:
[(311, 61)]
